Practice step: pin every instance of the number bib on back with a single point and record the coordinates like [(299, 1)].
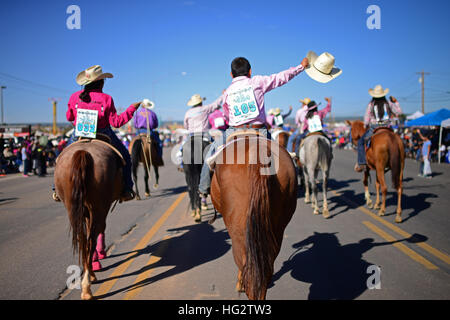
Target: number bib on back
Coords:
[(219, 122), (243, 105), (314, 124), (278, 120), (86, 125)]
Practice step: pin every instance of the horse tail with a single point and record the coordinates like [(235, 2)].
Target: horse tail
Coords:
[(396, 162), (81, 172), (136, 152), (261, 243)]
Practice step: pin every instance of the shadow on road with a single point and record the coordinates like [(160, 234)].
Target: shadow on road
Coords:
[(335, 271), (199, 245)]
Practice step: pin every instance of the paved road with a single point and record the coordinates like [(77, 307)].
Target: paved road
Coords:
[(156, 251)]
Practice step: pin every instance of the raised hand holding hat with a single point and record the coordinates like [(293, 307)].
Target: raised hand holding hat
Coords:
[(321, 68)]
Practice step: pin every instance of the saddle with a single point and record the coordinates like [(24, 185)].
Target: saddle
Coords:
[(375, 131), (100, 139)]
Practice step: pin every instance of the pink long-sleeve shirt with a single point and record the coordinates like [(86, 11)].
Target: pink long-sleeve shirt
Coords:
[(301, 113), (260, 86), (196, 118), (321, 113), (104, 104), (369, 116)]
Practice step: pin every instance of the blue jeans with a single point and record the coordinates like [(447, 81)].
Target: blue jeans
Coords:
[(155, 136), (291, 139), (205, 176), (116, 143), (361, 146)]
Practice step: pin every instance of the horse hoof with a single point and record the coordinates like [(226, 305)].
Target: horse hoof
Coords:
[(147, 194), (398, 219), (55, 197), (101, 254), (381, 213), (316, 212), (370, 205), (307, 200), (376, 207), (204, 207), (93, 278), (155, 186), (138, 197), (87, 295), (96, 266), (326, 214)]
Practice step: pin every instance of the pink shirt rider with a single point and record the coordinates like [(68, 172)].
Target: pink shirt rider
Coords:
[(322, 113), (301, 113), (260, 85), (196, 118), (104, 104), (217, 115), (369, 117)]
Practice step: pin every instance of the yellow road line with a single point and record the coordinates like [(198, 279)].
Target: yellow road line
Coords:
[(435, 252), (108, 284), (145, 275), (406, 250)]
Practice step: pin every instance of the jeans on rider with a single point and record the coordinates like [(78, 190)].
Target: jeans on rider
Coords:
[(298, 140), (205, 176), (361, 146), (291, 139), (155, 136), (116, 143)]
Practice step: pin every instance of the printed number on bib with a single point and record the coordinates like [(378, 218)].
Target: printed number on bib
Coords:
[(314, 124), (278, 120), (86, 125), (219, 122), (243, 105)]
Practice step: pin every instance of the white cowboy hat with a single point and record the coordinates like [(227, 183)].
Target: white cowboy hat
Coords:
[(195, 100), (147, 104), (378, 91), (276, 111), (270, 111), (321, 68), (92, 74), (305, 101)]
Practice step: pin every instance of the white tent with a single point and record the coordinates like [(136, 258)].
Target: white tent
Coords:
[(415, 115), (444, 124)]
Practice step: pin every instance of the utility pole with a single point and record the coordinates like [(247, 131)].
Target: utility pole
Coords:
[(54, 102), (422, 81), (1, 101)]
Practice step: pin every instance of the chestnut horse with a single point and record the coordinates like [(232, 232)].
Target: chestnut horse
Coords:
[(256, 206), (88, 179), (143, 149), (386, 151)]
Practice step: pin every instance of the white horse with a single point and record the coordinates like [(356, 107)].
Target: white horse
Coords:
[(316, 153)]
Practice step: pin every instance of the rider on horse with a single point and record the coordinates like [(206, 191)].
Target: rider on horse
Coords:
[(275, 119), (93, 98), (143, 118), (297, 135), (249, 113), (379, 113)]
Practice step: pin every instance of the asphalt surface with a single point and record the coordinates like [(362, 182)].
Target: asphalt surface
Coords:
[(157, 251)]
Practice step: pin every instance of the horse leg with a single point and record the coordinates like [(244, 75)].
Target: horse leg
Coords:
[(377, 191), (366, 189), (380, 175), (135, 168), (307, 185), (314, 202), (326, 213), (239, 284), (398, 217), (146, 176), (156, 185)]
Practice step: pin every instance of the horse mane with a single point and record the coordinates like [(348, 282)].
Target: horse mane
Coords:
[(261, 242)]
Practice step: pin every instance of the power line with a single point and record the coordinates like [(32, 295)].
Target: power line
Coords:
[(32, 82)]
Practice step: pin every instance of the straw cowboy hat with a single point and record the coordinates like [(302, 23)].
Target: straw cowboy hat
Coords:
[(92, 74), (305, 101), (378, 91), (147, 104), (321, 68), (195, 100), (276, 111), (270, 111)]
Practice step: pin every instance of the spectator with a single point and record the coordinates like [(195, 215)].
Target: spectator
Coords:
[(426, 156)]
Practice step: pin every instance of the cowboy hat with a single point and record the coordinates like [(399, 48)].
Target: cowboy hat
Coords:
[(321, 68), (305, 101), (147, 104), (276, 111), (378, 91), (195, 100), (270, 111), (312, 105), (92, 74)]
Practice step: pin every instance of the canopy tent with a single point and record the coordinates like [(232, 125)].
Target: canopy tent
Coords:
[(415, 115), (444, 124), (431, 119)]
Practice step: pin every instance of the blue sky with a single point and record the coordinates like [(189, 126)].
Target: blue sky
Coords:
[(147, 45)]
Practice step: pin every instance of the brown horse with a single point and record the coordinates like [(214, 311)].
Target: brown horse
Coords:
[(282, 137), (386, 151), (88, 179), (256, 206), (143, 149)]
